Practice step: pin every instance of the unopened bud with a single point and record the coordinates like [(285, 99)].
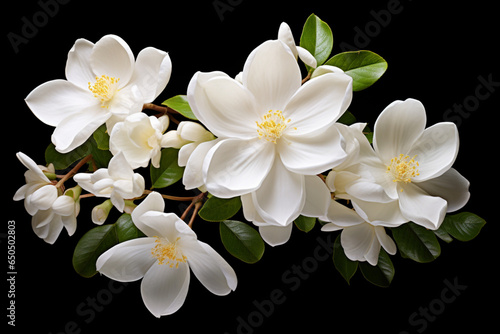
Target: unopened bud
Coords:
[(100, 212)]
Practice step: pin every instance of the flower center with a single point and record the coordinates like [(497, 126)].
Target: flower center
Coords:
[(272, 125), (167, 253), (403, 168), (104, 89)]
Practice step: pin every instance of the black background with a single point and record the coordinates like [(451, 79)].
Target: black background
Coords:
[(436, 53)]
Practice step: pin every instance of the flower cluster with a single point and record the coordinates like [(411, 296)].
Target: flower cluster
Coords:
[(279, 146)]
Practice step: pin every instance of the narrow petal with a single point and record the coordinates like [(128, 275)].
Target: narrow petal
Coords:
[(342, 216), (436, 150), (152, 72), (317, 197), (54, 101), (451, 186), (78, 69), (285, 35), (306, 57), (421, 208), (113, 57), (314, 153), (164, 289), (276, 235), (318, 103), (385, 240), (193, 173), (128, 261), (281, 197), (209, 267), (397, 128), (235, 167), (32, 166), (272, 74)]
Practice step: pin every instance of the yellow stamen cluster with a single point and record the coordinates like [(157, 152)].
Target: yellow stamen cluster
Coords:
[(167, 253), (403, 168), (104, 88), (272, 126)]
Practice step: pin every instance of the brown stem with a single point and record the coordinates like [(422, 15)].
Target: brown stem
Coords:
[(73, 171)]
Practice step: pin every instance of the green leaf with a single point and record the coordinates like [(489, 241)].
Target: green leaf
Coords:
[(347, 118), (100, 157), (169, 171), (443, 235), (305, 224), (317, 38), (91, 246), (345, 267), (365, 67), (463, 226), (126, 229), (416, 242), (101, 138), (381, 274), (180, 104), (62, 161), (242, 241), (218, 209)]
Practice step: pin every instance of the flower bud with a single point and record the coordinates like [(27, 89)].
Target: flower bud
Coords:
[(100, 212)]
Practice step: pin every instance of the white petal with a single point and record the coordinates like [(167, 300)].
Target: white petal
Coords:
[(318, 103), (272, 74), (285, 35), (357, 241), (421, 208), (397, 128), (127, 261), (193, 174), (235, 167), (56, 100), (44, 197), (380, 214), (119, 168), (306, 57), (78, 69), (112, 56), (342, 216), (436, 150), (164, 289), (209, 267), (317, 197), (276, 235), (281, 197), (32, 166), (385, 240), (153, 68), (192, 131), (314, 153), (64, 206), (451, 186)]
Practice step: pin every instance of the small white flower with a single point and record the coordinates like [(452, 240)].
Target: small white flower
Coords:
[(361, 238), (187, 137), (117, 182), (104, 84), (163, 259), (139, 138)]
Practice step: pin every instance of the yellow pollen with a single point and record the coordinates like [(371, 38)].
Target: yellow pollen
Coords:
[(272, 126), (167, 253), (403, 168), (104, 89)]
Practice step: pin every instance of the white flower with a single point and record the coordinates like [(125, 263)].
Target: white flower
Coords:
[(117, 182), (360, 239), (271, 131), (187, 137), (104, 84), (411, 165), (163, 259), (285, 35), (50, 212), (139, 138)]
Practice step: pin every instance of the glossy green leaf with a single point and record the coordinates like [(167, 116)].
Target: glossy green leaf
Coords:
[(416, 242), (317, 38), (62, 161), (101, 137), (218, 209), (381, 274), (169, 171), (347, 118), (365, 67), (242, 241), (463, 226), (180, 104), (126, 229), (305, 224), (91, 246), (344, 266)]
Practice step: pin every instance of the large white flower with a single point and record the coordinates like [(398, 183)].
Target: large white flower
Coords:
[(411, 165), (51, 210), (139, 138), (163, 259), (117, 182), (104, 84), (272, 131)]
